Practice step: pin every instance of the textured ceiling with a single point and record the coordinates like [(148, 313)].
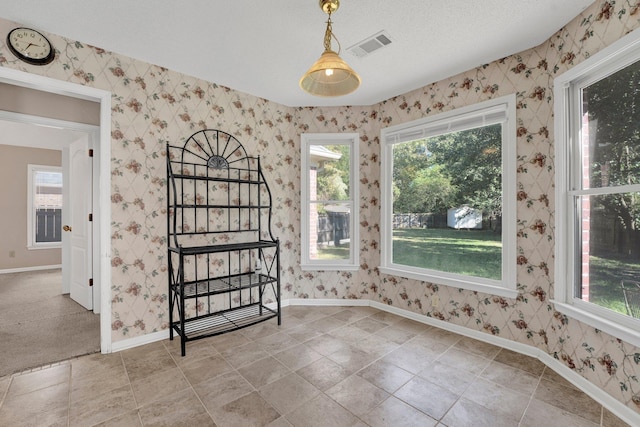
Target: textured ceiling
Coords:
[(264, 47)]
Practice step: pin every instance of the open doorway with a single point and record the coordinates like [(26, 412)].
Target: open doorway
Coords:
[(98, 252)]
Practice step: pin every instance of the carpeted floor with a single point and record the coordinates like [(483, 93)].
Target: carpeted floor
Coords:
[(39, 325)]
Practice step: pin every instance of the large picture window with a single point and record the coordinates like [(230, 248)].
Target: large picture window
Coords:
[(44, 224), (449, 198), (330, 201), (598, 152)]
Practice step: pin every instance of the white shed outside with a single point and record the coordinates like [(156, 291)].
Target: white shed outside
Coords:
[(464, 217)]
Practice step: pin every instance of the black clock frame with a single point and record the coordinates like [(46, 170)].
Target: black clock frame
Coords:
[(33, 61)]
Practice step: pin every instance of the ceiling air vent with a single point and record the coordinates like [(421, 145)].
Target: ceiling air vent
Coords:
[(370, 44)]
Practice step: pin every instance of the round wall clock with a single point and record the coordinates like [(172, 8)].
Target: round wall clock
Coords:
[(30, 46)]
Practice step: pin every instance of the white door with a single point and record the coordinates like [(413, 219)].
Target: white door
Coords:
[(78, 226)]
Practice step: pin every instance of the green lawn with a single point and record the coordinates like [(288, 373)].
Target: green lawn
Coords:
[(469, 252), (333, 252), (605, 275)]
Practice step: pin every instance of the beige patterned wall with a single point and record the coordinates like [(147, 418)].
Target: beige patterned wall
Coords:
[(152, 105)]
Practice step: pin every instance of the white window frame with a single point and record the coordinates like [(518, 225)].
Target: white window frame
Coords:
[(31, 210), (500, 110), (567, 88), (307, 141)]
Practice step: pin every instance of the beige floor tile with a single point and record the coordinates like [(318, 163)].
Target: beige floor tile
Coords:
[(395, 413), (179, 409), (321, 412), (357, 395), (248, 411), (222, 389), (375, 345), (227, 341), (501, 400), (427, 397), (352, 358), (369, 325), (453, 379), (326, 344), (280, 422), (326, 324), (542, 414), (347, 333), (298, 357), (611, 420), (568, 399), (467, 413), (477, 347), (96, 365), (264, 371), (157, 386), (103, 407), (413, 326), (36, 380), (129, 419), (520, 361), (288, 393), (410, 359), (244, 354), (277, 342), (261, 330), (140, 363), (303, 333), (396, 334), (205, 369), (45, 406), (386, 317), (194, 350), (385, 376), (349, 315), (462, 360), (511, 377), (323, 373), (442, 336)]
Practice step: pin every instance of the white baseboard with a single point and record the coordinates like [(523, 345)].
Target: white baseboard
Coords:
[(25, 269), (615, 406), (138, 341)]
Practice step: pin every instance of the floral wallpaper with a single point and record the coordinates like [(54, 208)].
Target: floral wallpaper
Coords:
[(152, 105)]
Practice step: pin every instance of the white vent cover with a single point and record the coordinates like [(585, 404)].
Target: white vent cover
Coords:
[(370, 44)]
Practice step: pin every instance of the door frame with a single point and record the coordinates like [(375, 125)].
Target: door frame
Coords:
[(102, 181)]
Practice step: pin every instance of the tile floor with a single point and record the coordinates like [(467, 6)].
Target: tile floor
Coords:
[(325, 366)]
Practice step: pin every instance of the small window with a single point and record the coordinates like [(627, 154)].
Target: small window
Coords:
[(449, 198), (598, 202), (330, 201), (44, 224)]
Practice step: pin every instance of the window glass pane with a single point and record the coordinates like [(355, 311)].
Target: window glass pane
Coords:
[(48, 206), (329, 234), (611, 130), (447, 202), (329, 172), (610, 251)]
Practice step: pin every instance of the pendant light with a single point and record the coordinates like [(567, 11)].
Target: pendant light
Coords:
[(330, 75)]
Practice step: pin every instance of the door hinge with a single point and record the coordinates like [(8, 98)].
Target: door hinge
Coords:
[(91, 152), (90, 282), (90, 217)]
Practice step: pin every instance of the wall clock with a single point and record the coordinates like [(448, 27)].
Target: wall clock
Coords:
[(30, 46)]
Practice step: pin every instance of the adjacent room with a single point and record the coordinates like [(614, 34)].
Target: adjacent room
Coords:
[(353, 213)]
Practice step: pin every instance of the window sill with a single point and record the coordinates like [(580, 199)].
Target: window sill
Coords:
[(329, 267), (40, 247), (487, 288), (616, 329)]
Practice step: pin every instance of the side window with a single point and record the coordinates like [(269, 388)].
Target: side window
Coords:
[(330, 201), (598, 152), (44, 223), (449, 199)]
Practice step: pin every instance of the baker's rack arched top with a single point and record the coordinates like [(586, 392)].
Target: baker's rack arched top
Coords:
[(214, 149)]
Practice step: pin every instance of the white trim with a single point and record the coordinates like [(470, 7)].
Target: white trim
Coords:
[(307, 141), (25, 269), (103, 201), (499, 110), (140, 340), (567, 152)]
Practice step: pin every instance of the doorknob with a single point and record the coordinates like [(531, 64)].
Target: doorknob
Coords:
[(66, 228)]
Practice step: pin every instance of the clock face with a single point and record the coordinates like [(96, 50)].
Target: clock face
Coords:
[(30, 46)]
